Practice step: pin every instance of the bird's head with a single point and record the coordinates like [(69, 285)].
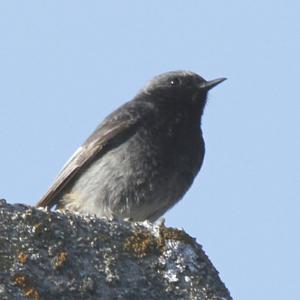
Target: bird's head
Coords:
[(182, 86)]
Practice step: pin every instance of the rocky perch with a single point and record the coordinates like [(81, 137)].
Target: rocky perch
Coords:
[(52, 255)]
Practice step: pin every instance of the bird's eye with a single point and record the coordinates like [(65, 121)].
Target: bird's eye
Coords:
[(174, 82)]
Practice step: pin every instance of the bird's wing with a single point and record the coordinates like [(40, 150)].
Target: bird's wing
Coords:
[(115, 130)]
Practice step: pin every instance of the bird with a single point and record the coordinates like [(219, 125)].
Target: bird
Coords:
[(144, 156)]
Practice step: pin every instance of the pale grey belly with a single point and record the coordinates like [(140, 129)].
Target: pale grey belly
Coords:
[(126, 185)]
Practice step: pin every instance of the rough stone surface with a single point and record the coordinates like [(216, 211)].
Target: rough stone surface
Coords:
[(52, 255)]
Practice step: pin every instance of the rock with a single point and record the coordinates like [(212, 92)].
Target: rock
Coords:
[(55, 255)]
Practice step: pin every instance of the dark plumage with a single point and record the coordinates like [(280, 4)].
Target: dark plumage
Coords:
[(143, 157)]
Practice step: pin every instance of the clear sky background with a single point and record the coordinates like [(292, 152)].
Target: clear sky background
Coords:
[(64, 65)]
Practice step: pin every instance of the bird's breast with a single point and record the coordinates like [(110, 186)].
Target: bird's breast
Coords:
[(147, 173)]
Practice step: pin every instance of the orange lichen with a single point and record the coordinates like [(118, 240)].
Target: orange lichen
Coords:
[(142, 242), (23, 258), (23, 282), (172, 234), (60, 259)]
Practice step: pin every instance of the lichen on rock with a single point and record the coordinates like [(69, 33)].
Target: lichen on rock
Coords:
[(54, 255)]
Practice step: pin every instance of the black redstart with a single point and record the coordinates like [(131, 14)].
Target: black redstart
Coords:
[(143, 157)]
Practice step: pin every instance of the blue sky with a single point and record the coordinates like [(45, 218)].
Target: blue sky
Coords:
[(64, 65)]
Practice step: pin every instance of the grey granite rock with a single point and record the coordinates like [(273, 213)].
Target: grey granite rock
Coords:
[(52, 255)]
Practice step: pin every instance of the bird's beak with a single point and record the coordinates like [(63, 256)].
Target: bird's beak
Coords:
[(207, 85)]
